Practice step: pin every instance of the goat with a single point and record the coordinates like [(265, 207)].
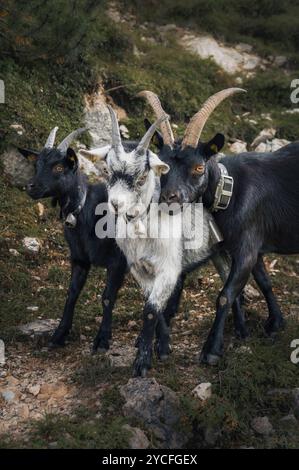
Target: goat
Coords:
[(158, 264), (57, 176), (261, 215)]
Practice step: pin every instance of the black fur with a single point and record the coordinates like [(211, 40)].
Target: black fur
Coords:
[(262, 217)]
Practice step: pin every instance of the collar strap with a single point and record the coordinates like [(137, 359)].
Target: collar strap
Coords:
[(224, 190), (71, 218)]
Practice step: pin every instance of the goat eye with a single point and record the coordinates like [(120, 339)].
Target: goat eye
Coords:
[(198, 170), (142, 180), (58, 168)]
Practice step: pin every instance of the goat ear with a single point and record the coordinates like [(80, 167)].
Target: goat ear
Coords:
[(71, 159), (157, 138), (98, 153), (30, 155), (214, 146), (159, 167)]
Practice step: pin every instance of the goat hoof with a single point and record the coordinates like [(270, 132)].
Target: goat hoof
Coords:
[(209, 359), (100, 346), (272, 327), (55, 345), (242, 333), (162, 350)]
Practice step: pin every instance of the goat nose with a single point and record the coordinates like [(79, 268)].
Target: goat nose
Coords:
[(173, 197), (30, 185)]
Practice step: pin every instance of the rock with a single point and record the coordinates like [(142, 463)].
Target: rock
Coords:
[(157, 407), (242, 47), (264, 135), (137, 439), (32, 245), (34, 389), (8, 395), (272, 146), (262, 426), (251, 293), (289, 419), (291, 111), (53, 390), (39, 327), (33, 308), (244, 350), (229, 59), (14, 252), (17, 168), (23, 411), (124, 131), (238, 147), (18, 128), (203, 391), (2, 353), (40, 210), (87, 166), (280, 60)]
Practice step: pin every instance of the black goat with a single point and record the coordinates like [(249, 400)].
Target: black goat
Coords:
[(57, 176), (262, 215)]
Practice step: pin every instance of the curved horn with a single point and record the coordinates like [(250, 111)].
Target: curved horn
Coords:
[(51, 139), (63, 146), (198, 121), (116, 137), (146, 139), (165, 126)]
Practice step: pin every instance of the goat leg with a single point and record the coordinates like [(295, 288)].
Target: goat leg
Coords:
[(275, 319), (78, 278), (237, 279), (115, 278)]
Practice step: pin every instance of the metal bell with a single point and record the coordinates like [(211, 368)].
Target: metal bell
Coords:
[(71, 221)]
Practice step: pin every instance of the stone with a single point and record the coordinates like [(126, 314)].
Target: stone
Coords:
[(23, 411), (40, 210), (33, 308), (238, 147), (137, 439), (14, 252), (87, 166), (264, 135), (16, 168), (289, 419), (124, 131), (157, 407), (18, 128), (39, 327), (34, 389), (203, 391), (280, 60), (262, 426), (53, 390), (8, 395), (251, 293), (32, 245), (2, 353), (228, 58), (271, 146)]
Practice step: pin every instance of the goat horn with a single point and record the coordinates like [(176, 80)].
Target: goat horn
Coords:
[(146, 139), (165, 126), (198, 121), (116, 137), (51, 139), (63, 146)]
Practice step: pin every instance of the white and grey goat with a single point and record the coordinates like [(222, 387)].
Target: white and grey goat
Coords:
[(157, 262)]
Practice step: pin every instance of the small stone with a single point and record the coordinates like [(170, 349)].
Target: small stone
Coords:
[(40, 209), (39, 327), (137, 439), (54, 390), (289, 419), (14, 252), (18, 128), (262, 425), (238, 147), (33, 308), (251, 293), (132, 324), (8, 395), (203, 391), (2, 353), (34, 389), (31, 244), (23, 411)]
